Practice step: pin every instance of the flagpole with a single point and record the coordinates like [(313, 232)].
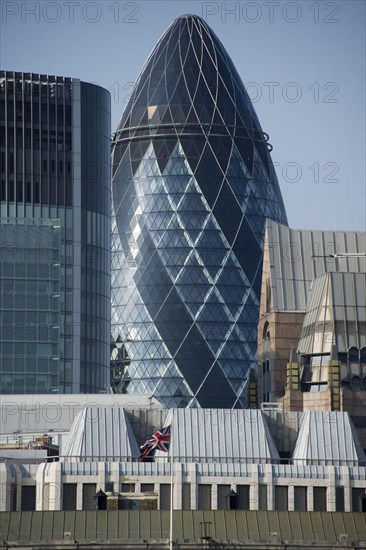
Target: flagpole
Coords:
[(171, 485)]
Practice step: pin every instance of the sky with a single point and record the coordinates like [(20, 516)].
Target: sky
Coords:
[(303, 64)]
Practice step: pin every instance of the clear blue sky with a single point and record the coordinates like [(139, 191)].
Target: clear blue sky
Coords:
[(303, 64)]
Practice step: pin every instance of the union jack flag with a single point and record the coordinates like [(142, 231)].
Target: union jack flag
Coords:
[(159, 440)]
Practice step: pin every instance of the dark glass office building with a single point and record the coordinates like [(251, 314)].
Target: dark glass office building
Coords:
[(54, 235), (193, 183)]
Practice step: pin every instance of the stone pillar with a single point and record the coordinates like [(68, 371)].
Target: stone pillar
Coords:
[(6, 481), (101, 476), (291, 498), (54, 478), (115, 476), (268, 480), (331, 490), (40, 486), (192, 479), (310, 498), (214, 496), (254, 488), (79, 496), (345, 481), (49, 475), (177, 485)]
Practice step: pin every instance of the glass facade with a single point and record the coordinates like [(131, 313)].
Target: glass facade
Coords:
[(55, 234), (193, 183), (30, 305)]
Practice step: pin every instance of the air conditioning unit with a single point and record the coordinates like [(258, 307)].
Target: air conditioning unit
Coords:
[(274, 536), (343, 537), (67, 535)]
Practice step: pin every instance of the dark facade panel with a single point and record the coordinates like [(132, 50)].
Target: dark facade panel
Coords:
[(54, 186)]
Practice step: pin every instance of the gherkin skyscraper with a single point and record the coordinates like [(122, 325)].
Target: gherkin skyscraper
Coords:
[(193, 183)]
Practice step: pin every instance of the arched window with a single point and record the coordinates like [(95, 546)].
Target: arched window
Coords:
[(363, 356), (268, 295), (356, 384), (266, 334), (353, 355)]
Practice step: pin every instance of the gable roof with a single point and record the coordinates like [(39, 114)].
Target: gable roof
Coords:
[(101, 433), (328, 437), (220, 435)]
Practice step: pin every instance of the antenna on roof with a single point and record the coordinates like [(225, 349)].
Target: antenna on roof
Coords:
[(337, 255)]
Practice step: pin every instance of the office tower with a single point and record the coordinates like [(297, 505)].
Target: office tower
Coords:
[(54, 234), (192, 185)]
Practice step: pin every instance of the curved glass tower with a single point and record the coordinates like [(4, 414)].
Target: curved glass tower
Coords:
[(193, 183)]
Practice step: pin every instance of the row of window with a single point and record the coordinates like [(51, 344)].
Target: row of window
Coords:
[(32, 193), (226, 498), (35, 88), (25, 139)]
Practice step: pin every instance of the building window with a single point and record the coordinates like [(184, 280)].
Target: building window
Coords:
[(28, 196), (89, 492), (268, 295), (36, 192), (358, 498), (164, 494), (262, 497), (13, 497), (320, 499), (281, 497), (69, 496), (300, 499), (339, 499), (127, 487), (356, 383), (266, 334), (109, 486), (204, 496), (28, 498), (243, 497), (147, 487), (186, 496), (20, 191), (222, 496), (353, 355), (11, 191)]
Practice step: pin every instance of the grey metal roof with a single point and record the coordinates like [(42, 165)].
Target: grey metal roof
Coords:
[(343, 295), (150, 528), (327, 437), (298, 256), (101, 433), (218, 435)]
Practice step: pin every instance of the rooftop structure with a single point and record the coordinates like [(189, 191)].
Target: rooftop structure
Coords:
[(312, 329)]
